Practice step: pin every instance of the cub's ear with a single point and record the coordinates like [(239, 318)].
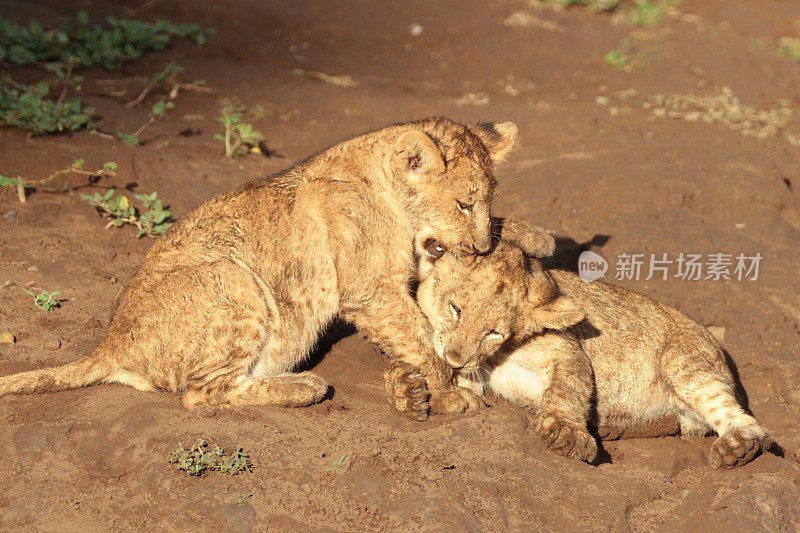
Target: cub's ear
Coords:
[(560, 313), (498, 137), (534, 241), (417, 156)]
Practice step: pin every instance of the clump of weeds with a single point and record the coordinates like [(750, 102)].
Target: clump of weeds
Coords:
[(30, 108), (90, 45), (152, 220), (74, 44), (200, 458)]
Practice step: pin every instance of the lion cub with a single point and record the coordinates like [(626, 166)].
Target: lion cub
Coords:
[(581, 353), (234, 296)]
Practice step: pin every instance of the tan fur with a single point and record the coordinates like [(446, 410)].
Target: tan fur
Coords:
[(581, 353), (233, 297)]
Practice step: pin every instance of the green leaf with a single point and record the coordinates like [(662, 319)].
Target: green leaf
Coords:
[(158, 108), (110, 166), (8, 181), (78, 163), (128, 138)]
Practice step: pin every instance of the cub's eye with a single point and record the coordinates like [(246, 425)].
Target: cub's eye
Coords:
[(456, 312), (494, 335), (465, 208)]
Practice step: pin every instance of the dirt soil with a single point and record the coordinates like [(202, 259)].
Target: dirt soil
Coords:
[(603, 173)]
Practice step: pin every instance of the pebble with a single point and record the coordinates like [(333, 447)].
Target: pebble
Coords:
[(52, 344), (11, 215), (7, 337)]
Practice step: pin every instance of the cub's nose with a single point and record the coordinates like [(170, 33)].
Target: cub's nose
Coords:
[(453, 359), (482, 246)]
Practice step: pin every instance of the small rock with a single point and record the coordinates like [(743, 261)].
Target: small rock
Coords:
[(52, 344), (7, 337), (11, 215), (416, 29), (718, 332)]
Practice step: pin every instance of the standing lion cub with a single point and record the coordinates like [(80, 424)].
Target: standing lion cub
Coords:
[(233, 297), (581, 353)]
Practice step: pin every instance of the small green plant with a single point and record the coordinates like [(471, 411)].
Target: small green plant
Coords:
[(29, 107), (337, 464), (152, 221), (76, 168), (646, 13), (89, 45), (200, 458), (45, 300), (792, 52), (615, 58), (239, 137), (131, 139), (157, 111)]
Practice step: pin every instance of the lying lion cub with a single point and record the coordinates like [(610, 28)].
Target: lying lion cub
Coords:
[(583, 352)]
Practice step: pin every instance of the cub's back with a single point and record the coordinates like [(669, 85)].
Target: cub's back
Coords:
[(624, 335)]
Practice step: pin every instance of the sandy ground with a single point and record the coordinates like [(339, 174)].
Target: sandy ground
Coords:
[(604, 174)]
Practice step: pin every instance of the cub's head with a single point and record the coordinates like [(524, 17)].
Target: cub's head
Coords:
[(450, 170), (479, 304)]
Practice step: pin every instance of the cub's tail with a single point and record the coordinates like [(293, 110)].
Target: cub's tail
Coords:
[(90, 370)]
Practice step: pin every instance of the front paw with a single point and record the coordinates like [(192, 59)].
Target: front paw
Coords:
[(407, 391), (456, 400), (566, 439)]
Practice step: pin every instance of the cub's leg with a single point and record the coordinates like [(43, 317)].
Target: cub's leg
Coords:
[(218, 322), (699, 380), (566, 401), (285, 390), (416, 380)]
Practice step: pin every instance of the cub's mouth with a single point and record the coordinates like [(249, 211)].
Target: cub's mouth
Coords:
[(434, 248)]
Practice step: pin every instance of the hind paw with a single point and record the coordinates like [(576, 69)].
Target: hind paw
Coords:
[(738, 446), (308, 388), (566, 439), (457, 400)]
